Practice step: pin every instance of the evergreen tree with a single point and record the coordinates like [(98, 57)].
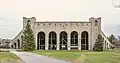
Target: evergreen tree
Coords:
[(98, 46), (111, 38), (113, 41), (28, 41)]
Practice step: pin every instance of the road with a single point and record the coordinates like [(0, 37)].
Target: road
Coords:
[(35, 58)]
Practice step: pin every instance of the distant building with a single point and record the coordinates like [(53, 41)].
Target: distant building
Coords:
[(0, 41), (4, 43), (67, 35)]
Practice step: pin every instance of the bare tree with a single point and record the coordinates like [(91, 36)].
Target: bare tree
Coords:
[(115, 5), (119, 38)]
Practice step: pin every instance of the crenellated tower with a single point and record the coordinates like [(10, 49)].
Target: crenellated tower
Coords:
[(95, 28), (31, 20)]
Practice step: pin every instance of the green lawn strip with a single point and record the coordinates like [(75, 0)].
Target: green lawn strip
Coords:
[(66, 55), (9, 57), (103, 57), (89, 57)]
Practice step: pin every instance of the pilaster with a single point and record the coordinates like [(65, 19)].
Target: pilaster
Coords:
[(58, 42), (46, 41), (68, 43), (79, 41)]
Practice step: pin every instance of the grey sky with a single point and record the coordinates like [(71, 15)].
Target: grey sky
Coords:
[(12, 11)]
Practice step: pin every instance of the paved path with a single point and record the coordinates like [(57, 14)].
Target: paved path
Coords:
[(35, 58)]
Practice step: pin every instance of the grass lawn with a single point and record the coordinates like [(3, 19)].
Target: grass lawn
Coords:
[(83, 56), (6, 57)]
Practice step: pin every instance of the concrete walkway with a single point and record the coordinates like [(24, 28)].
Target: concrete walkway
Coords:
[(35, 58)]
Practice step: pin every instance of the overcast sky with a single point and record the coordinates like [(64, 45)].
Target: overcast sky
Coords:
[(12, 11)]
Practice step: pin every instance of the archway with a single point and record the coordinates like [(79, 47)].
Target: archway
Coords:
[(84, 40), (74, 40), (14, 45), (105, 45), (63, 40), (52, 41), (41, 41), (18, 41)]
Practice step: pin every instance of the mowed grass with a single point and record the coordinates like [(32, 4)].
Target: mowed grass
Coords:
[(6, 57), (83, 56)]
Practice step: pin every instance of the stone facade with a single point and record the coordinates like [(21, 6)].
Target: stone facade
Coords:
[(59, 35)]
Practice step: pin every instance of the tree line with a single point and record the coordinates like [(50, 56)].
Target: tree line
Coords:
[(114, 41)]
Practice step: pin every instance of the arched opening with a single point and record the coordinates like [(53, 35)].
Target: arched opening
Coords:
[(105, 45), (84, 40), (14, 45), (28, 21), (74, 40), (41, 41), (63, 40), (18, 41), (96, 22), (52, 41)]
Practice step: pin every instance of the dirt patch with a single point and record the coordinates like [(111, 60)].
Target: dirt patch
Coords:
[(12, 61), (81, 59)]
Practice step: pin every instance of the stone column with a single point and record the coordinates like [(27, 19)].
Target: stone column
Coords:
[(58, 42), (89, 41), (46, 41), (79, 41), (16, 44), (68, 42), (20, 43)]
